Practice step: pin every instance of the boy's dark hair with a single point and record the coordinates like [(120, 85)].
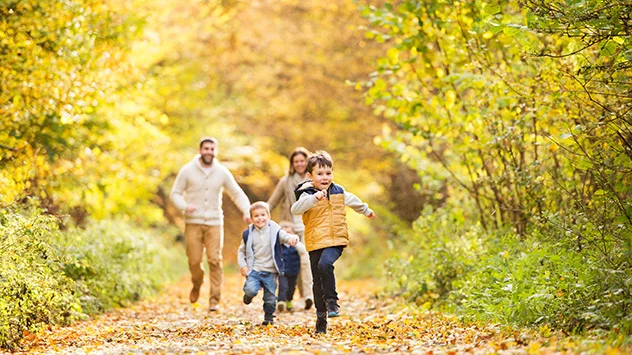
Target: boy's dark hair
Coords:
[(320, 158), (207, 139)]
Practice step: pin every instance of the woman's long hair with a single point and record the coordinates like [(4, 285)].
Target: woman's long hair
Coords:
[(297, 151)]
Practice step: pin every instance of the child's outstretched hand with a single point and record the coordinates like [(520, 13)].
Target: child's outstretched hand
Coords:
[(293, 240), (320, 195), (371, 215), (244, 271)]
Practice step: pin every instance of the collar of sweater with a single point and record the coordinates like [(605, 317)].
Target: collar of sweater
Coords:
[(197, 162)]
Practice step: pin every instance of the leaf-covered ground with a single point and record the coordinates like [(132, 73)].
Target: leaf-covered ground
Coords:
[(168, 324)]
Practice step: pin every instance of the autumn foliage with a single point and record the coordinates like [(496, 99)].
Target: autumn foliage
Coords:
[(493, 139)]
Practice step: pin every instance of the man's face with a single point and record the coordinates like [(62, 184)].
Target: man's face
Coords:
[(208, 150), (260, 217), (321, 176)]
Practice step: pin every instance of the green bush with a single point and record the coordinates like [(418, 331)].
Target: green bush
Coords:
[(544, 277), (440, 248), (53, 276)]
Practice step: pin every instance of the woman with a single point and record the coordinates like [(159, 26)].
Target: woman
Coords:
[(283, 196)]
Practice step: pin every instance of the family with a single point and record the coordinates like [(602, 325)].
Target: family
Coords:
[(312, 231)]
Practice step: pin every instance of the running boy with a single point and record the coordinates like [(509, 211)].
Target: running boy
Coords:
[(322, 204), (260, 257)]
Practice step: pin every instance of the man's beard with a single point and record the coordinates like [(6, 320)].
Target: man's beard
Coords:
[(207, 159)]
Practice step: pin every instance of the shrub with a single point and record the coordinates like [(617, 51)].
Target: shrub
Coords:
[(49, 276)]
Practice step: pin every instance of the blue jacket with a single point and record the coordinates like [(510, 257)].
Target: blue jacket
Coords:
[(246, 255), (291, 260)]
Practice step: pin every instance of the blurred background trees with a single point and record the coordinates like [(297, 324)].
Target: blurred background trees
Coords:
[(492, 137)]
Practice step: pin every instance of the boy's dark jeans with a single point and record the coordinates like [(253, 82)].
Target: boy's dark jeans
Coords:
[(287, 287), (322, 263)]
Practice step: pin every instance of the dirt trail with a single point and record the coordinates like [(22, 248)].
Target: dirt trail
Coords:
[(168, 324)]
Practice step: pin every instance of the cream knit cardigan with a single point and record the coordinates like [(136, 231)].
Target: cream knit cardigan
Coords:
[(204, 190)]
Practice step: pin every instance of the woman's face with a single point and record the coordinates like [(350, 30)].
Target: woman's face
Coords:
[(299, 163)]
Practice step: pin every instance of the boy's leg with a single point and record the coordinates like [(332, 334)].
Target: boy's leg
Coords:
[(325, 266), (283, 291), (193, 238), (269, 281), (283, 287), (252, 286), (291, 287), (319, 296), (214, 243), (317, 288)]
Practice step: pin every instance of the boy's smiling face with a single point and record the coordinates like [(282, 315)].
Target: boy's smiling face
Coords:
[(321, 177), (260, 217)]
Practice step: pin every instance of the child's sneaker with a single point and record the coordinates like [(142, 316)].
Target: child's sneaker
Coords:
[(321, 322), (247, 299), (268, 319), (333, 309), (289, 306), (281, 305)]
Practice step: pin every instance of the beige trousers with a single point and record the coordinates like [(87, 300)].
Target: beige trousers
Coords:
[(305, 281), (199, 237)]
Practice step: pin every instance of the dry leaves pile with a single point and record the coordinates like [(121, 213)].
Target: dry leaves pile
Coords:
[(168, 324)]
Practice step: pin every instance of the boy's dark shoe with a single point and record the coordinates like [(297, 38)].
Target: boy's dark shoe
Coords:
[(308, 303), (321, 322), (247, 299), (268, 319), (281, 306), (333, 309)]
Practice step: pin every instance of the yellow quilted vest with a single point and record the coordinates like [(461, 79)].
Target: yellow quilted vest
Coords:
[(326, 224)]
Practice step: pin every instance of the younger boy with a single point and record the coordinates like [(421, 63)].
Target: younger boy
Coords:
[(260, 257), (322, 204), (292, 257)]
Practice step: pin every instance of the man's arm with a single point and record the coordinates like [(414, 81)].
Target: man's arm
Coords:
[(305, 203), (177, 191), (237, 195)]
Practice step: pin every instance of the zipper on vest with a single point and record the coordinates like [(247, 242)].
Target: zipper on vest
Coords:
[(331, 219)]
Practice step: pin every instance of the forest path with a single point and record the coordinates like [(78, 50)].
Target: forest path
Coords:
[(169, 324)]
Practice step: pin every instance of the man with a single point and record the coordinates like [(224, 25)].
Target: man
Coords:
[(198, 192)]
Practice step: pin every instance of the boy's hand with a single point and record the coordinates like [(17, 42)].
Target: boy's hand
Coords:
[(244, 271), (371, 215), (320, 195), (293, 240)]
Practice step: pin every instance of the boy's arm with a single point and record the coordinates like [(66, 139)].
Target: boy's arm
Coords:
[(241, 255), (305, 203), (287, 238), (357, 205)]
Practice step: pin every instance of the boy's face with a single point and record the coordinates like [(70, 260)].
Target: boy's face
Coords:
[(260, 217), (321, 176)]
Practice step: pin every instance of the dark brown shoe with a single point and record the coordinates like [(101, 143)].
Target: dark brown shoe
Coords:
[(195, 293)]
